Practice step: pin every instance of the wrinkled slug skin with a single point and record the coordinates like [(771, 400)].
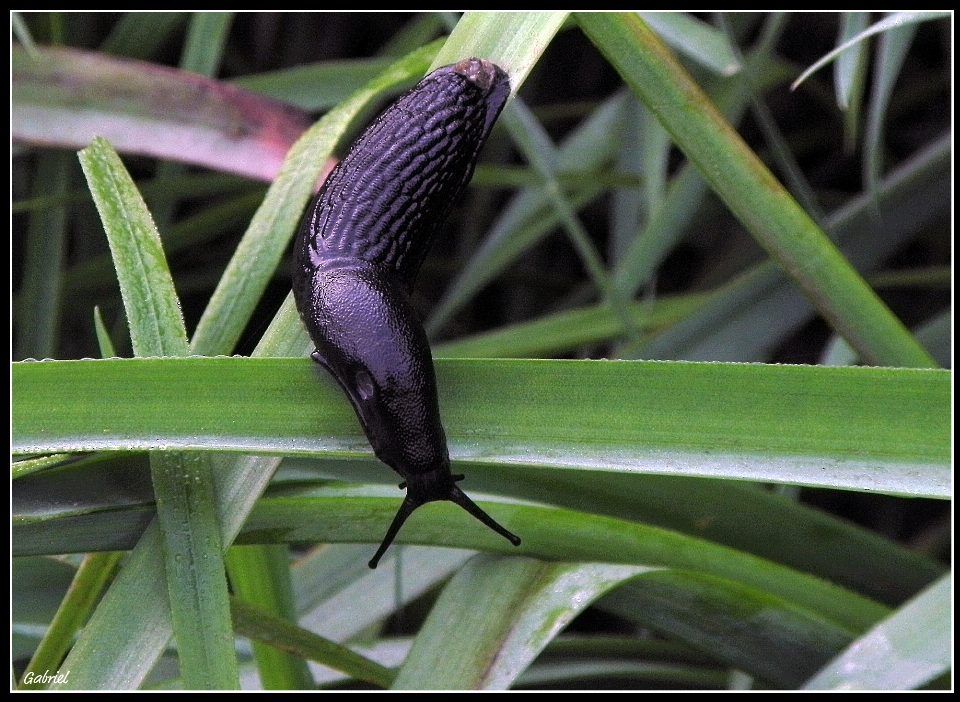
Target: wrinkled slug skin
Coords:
[(358, 252)]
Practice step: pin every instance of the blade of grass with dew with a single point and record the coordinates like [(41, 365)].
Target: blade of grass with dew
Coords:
[(183, 483), (752, 193)]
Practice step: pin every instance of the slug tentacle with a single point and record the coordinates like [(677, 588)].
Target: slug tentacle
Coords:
[(358, 252), (415, 498)]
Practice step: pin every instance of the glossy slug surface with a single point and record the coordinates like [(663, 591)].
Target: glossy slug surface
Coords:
[(357, 254)]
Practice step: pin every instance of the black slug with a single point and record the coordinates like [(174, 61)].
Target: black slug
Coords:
[(357, 254)]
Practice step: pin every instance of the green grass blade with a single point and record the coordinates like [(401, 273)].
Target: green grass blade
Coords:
[(196, 580), (752, 193), (91, 579), (905, 651), (696, 39), (317, 86), (129, 628), (346, 515), (563, 332), (153, 311), (734, 323), (83, 508), (512, 40), (140, 34), (895, 19), (207, 33), (183, 484), (511, 607), (539, 152), (773, 638), (22, 32), (881, 429), (850, 75), (260, 575), (894, 45), (672, 215), (341, 596), (262, 626), (585, 660)]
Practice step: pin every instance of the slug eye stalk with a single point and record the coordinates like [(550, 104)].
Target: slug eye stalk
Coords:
[(413, 500)]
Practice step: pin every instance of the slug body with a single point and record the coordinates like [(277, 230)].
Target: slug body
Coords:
[(357, 255)]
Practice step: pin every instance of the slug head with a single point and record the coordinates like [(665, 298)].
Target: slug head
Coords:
[(368, 336), (378, 352)]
